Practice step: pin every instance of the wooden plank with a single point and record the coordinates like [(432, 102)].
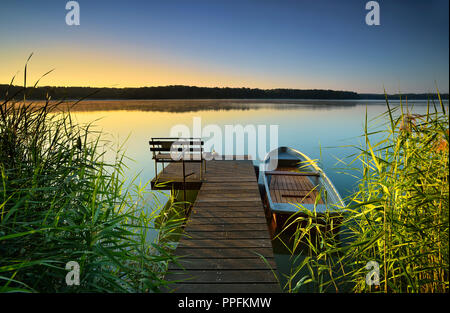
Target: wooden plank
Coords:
[(237, 199), (306, 184), (223, 276), (282, 182), (228, 234), (226, 213), (275, 182), (224, 253), (227, 288), (175, 185), (298, 185), (287, 173), (230, 186), (302, 184), (292, 184), (248, 196), (225, 243), (222, 264), (226, 220), (275, 194), (213, 209), (231, 178), (283, 179), (227, 227), (229, 191), (235, 203), (243, 204)]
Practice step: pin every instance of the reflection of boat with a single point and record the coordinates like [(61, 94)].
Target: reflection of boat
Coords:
[(292, 180)]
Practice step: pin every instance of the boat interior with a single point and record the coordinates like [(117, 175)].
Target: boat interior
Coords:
[(287, 185), (293, 181)]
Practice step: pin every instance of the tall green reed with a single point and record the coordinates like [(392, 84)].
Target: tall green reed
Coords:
[(398, 217), (60, 201)]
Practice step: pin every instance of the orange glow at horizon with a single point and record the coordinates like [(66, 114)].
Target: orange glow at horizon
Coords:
[(87, 67)]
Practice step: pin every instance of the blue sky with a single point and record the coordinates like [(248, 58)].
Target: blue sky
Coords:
[(265, 44)]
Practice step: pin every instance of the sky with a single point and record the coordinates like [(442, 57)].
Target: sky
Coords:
[(236, 43)]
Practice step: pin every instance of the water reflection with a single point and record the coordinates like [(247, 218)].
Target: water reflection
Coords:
[(178, 106)]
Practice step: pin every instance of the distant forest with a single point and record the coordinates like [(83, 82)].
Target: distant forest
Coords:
[(192, 92)]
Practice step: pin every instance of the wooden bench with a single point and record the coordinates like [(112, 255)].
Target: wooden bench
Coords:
[(168, 150)]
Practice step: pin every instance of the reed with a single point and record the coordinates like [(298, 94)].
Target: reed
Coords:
[(60, 201), (398, 217)]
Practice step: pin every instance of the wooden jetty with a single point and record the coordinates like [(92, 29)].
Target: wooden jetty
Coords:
[(226, 233)]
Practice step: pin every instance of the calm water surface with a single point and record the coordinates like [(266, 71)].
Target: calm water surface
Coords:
[(322, 130)]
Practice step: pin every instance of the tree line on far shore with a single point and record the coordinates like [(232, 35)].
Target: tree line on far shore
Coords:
[(193, 92)]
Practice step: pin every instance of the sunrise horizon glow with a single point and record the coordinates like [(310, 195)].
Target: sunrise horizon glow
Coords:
[(265, 45)]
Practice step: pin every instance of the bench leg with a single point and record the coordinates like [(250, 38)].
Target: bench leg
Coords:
[(184, 186)]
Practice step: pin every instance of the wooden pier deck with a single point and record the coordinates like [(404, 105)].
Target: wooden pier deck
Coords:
[(226, 233)]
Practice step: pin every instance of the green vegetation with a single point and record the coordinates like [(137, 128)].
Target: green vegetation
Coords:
[(399, 216), (60, 201)]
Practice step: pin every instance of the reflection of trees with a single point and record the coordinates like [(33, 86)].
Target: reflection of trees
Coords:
[(198, 105)]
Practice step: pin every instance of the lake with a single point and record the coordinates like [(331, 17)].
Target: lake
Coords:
[(323, 130)]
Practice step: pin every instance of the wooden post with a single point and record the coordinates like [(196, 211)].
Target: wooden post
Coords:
[(184, 184), (201, 160)]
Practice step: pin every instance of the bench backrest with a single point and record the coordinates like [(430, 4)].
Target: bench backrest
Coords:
[(191, 146)]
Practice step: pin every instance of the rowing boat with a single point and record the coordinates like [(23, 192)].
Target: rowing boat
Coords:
[(292, 182)]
